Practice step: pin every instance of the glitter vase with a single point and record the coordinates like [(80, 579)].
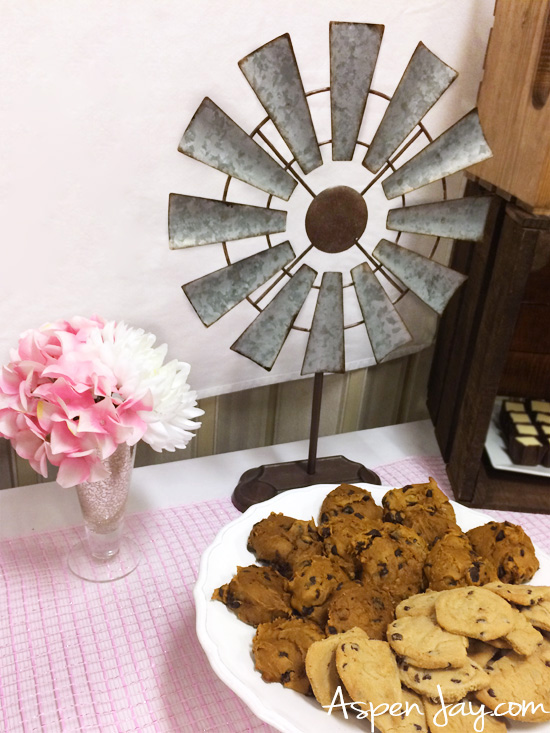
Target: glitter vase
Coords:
[(106, 554)]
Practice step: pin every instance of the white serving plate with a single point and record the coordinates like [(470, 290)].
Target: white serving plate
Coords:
[(227, 641), (498, 455)]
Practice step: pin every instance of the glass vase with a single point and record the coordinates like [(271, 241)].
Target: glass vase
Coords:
[(105, 553)]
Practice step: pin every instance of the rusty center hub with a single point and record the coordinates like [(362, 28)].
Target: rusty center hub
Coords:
[(336, 218)]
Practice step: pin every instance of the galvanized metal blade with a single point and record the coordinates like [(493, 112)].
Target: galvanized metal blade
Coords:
[(354, 50), (215, 139), (273, 74), (384, 325), (325, 346), (460, 146), (458, 219), (213, 295), (433, 283), (423, 82), (194, 221), (264, 338)]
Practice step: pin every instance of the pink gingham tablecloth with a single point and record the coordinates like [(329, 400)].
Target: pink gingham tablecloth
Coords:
[(123, 657)]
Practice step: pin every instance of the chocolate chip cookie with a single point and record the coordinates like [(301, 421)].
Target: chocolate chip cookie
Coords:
[(510, 549), (422, 507), (452, 562), (279, 540), (256, 595), (362, 606), (279, 649)]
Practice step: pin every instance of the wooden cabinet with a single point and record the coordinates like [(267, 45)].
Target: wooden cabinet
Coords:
[(493, 339)]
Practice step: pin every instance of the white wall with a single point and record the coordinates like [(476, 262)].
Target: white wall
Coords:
[(94, 97)]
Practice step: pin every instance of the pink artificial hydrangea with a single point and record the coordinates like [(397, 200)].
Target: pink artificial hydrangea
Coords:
[(59, 401)]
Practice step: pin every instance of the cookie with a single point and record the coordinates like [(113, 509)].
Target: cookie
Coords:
[(524, 638), (420, 641), (279, 649), (480, 652), (256, 595), (421, 604), (521, 595), (363, 606), (277, 538), (524, 681), (422, 507), (393, 558), (454, 683), (312, 586), (349, 499), (369, 672), (321, 664), (461, 720), (341, 533), (509, 548), (452, 562), (538, 615), (475, 612)]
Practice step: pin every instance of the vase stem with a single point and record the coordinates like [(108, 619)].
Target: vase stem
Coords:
[(103, 504)]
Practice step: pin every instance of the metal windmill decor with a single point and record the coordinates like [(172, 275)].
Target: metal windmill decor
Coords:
[(335, 219)]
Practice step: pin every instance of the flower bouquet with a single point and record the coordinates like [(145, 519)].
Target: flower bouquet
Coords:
[(79, 395)]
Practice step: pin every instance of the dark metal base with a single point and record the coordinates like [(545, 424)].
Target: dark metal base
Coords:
[(265, 482)]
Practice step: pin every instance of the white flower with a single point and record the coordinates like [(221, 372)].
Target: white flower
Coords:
[(140, 370)]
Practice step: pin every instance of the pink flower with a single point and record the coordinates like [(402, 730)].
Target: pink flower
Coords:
[(75, 390)]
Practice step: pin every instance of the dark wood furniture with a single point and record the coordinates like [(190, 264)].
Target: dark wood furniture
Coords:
[(494, 339)]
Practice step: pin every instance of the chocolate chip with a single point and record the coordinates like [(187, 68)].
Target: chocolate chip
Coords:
[(359, 515), (331, 630), (329, 576), (317, 593), (456, 680), (474, 574), (500, 536), (220, 593), (417, 678), (417, 727), (283, 654), (384, 570), (355, 647), (234, 604), (501, 572), (374, 533), (429, 493), (366, 498), (339, 586), (347, 509), (522, 553), (324, 532), (334, 550), (427, 677), (312, 579), (491, 692), (324, 517), (407, 608), (397, 637), (307, 610), (398, 552), (285, 677)]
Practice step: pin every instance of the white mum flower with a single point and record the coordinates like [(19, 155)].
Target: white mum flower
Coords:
[(139, 369)]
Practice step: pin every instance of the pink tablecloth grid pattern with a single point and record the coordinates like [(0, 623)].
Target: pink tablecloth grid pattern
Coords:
[(123, 657)]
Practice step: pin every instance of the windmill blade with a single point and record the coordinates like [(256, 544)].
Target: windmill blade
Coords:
[(433, 283), (213, 295), (215, 139), (273, 74), (460, 146), (354, 50), (458, 219), (325, 346), (384, 325), (264, 338), (423, 82), (194, 221)]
